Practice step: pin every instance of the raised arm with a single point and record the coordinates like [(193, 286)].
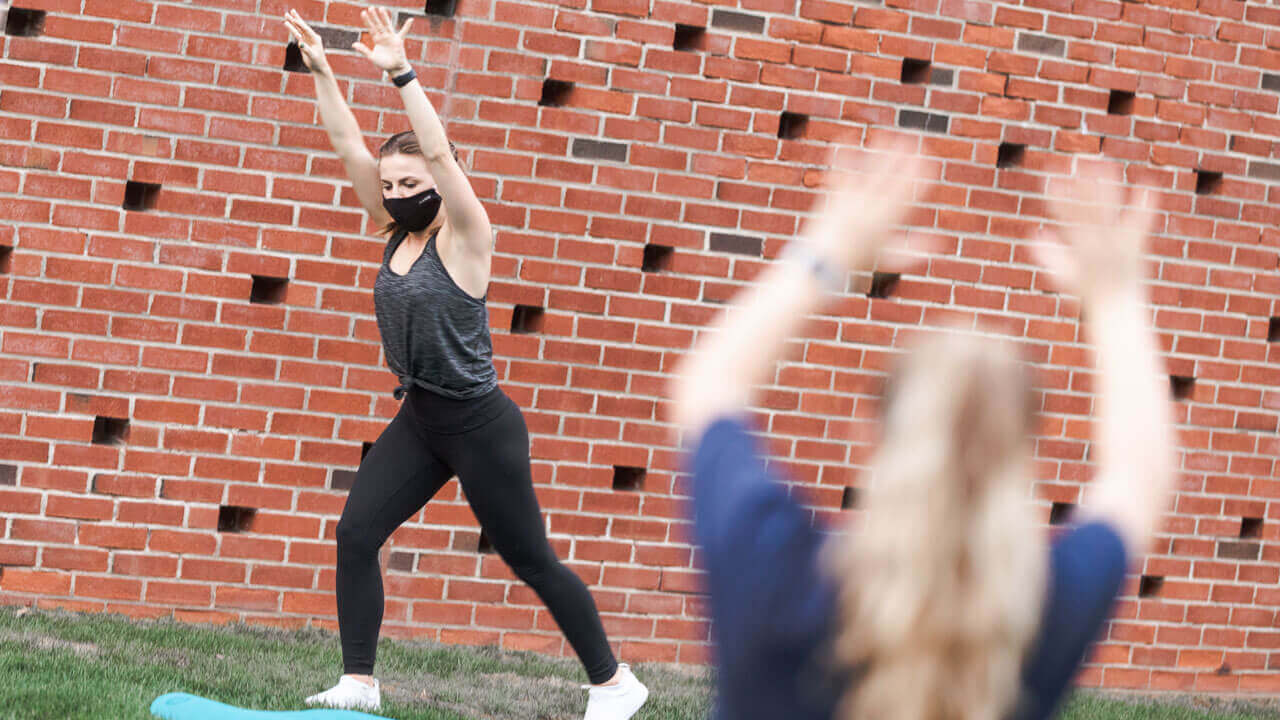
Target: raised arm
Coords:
[(467, 215), (339, 122), (1103, 262), (867, 197)]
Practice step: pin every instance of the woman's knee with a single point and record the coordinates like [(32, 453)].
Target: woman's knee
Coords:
[(536, 571), (355, 540)]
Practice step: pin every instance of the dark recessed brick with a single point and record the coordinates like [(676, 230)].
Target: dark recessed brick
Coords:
[(1010, 154), (483, 545), (791, 125), (1149, 585), (364, 450), (882, 284), (599, 150), (6, 254), (944, 77), (656, 257), (1060, 513), (849, 498), (1181, 386), (555, 93), (110, 430), (1029, 42), (740, 21), (1271, 81), (1273, 329), (1207, 182), (293, 61), (1120, 102), (268, 290), (140, 196), (526, 319), (737, 244), (690, 38), (441, 8), (1251, 527), (8, 474), (915, 71), (24, 22), (628, 478), (235, 519)]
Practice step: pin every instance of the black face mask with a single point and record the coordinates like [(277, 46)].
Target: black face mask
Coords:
[(414, 213)]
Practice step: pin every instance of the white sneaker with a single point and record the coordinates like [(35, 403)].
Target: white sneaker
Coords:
[(349, 694), (616, 702)]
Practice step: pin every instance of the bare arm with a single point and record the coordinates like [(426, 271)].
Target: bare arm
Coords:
[(1135, 440), (744, 343), (467, 216), (338, 120), (1104, 265)]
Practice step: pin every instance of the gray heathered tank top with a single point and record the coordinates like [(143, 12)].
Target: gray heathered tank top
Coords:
[(435, 335)]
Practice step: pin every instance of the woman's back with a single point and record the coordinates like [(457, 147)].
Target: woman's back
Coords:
[(774, 604)]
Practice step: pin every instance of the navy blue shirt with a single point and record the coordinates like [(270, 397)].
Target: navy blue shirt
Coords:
[(773, 608)]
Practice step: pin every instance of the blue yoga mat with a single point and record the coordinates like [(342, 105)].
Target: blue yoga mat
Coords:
[(182, 706)]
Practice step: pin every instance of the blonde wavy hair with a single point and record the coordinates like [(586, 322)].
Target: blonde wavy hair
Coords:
[(943, 578)]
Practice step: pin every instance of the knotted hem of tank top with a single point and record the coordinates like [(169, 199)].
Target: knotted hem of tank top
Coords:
[(406, 384)]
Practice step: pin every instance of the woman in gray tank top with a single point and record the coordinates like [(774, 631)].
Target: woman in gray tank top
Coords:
[(429, 298)]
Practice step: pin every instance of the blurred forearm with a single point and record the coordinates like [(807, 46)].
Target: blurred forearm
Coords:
[(1135, 435)]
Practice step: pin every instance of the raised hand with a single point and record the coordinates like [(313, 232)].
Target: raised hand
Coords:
[(1099, 246), (388, 43), (308, 42), (869, 191)]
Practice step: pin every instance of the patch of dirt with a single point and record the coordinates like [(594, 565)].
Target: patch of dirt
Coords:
[(38, 641), (503, 696), (1260, 705), (169, 656)]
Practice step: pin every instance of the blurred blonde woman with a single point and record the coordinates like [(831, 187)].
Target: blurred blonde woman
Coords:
[(946, 601)]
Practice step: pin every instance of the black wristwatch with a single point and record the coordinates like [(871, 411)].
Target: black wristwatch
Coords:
[(405, 78)]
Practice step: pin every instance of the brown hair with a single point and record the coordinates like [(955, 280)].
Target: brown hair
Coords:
[(405, 143), (943, 578)]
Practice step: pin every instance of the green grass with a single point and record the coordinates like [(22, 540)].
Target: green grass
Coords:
[(66, 666), (61, 665), (1090, 707)]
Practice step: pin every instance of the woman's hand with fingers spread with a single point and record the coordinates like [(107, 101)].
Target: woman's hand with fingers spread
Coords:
[(388, 43), (1098, 250), (869, 191), (309, 43)]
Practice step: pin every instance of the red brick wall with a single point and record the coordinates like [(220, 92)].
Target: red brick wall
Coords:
[(145, 328)]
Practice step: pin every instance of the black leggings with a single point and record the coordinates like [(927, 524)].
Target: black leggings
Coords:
[(484, 442)]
